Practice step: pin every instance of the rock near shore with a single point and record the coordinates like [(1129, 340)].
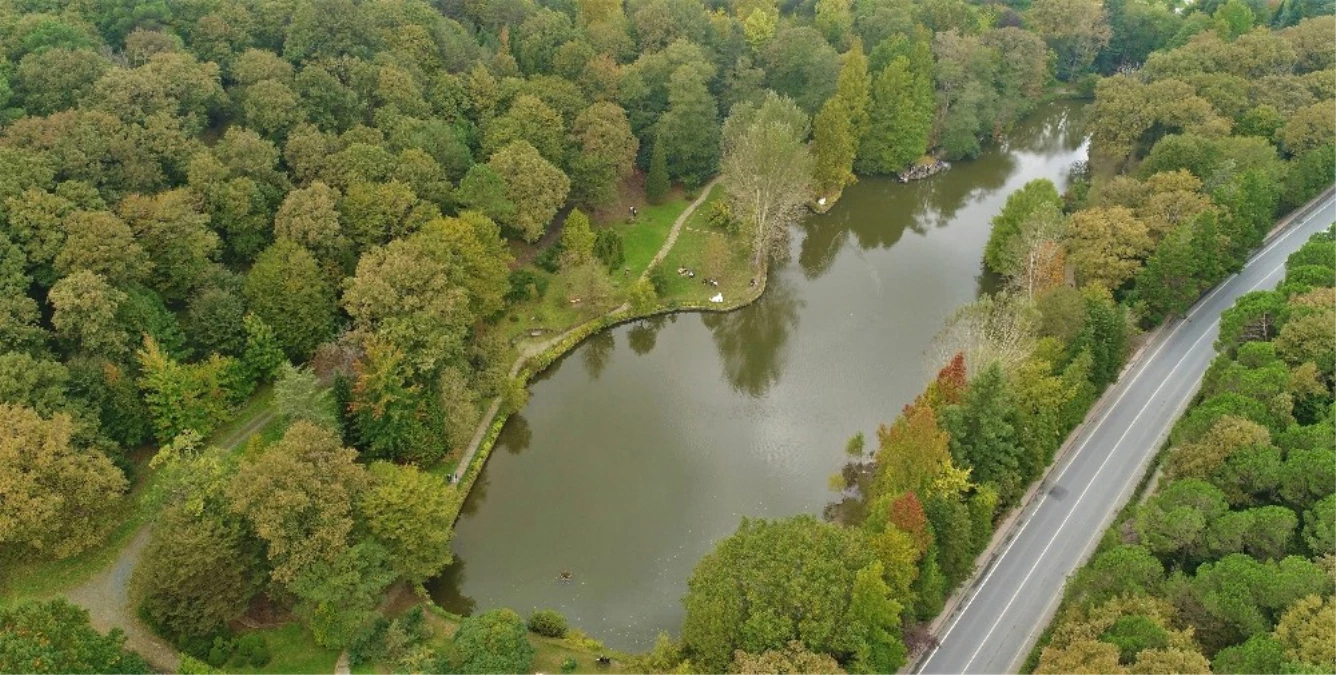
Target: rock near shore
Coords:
[(921, 170)]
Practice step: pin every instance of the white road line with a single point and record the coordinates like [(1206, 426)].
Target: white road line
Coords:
[(1141, 369), (1084, 492)]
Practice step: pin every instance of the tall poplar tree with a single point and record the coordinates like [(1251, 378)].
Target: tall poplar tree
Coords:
[(898, 125), (690, 128), (841, 123)]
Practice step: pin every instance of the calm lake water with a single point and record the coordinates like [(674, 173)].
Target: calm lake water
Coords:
[(649, 442)]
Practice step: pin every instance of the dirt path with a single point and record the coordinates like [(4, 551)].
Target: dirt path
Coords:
[(106, 596)]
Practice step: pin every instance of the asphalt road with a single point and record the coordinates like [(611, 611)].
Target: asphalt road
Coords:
[(999, 621)]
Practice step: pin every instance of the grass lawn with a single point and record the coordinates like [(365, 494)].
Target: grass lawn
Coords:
[(734, 272), (642, 238), (294, 651)]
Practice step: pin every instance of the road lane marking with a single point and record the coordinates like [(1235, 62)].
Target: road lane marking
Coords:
[(1141, 370), (1094, 431), (1084, 492)]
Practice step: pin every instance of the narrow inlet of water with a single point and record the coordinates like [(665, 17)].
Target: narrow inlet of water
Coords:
[(650, 442)]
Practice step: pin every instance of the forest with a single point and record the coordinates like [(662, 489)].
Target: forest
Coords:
[(336, 211), (1227, 566)]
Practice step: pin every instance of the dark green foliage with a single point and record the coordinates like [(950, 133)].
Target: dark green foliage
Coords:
[(1309, 174), (548, 623), (954, 536), (1122, 570), (608, 249), (1259, 654), (985, 438), (1105, 336), (525, 284), (837, 606), (54, 636), (252, 651), (656, 183), (1133, 633)]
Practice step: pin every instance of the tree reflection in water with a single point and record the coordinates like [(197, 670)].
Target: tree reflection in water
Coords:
[(444, 589), (596, 352), (645, 333), (752, 341), (515, 435)]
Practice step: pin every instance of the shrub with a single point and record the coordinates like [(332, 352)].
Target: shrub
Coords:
[(609, 250), (569, 665), (658, 276), (548, 623), (221, 652), (252, 650), (549, 259), (525, 284)]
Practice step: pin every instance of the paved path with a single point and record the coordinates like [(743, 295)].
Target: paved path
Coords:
[(1006, 609), (677, 226)]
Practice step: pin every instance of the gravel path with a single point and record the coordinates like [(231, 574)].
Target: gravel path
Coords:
[(106, 596)]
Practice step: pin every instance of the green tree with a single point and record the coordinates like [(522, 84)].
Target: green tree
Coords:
[(743, 596), (1021, 204), (535, 186), (483, 190), (493, 642), (84, 315), (298, 395), (839, 127), (605, 153), (898, 122), (690, 130), (767, 171), (176, 237), (298, 497), (57, 494), (187, 397), (197, 573), (577, 240), (54, 636), (656, 183), (411, 513), (288, 291), (393, 416), (985, 436)]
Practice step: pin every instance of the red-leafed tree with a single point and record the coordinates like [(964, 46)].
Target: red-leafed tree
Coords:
[(948, 388), (906, 513)]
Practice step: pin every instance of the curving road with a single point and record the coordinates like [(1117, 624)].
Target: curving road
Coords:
[(1004, 612)]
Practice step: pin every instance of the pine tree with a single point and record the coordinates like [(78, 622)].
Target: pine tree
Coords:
[(656, 184)]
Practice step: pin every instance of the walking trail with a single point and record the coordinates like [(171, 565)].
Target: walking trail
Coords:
[(106, 594), (529, 351)]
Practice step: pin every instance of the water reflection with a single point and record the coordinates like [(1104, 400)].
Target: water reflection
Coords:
[(446, 589), (515, 435), (631, 479), (645, 333), (752, 344), (597, 352)]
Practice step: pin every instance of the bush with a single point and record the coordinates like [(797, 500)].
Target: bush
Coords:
[(549, 259), (548, 623), (525, 284), (220, 653), (569, 665), (609, 250), (252, 650), (658, 276)]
